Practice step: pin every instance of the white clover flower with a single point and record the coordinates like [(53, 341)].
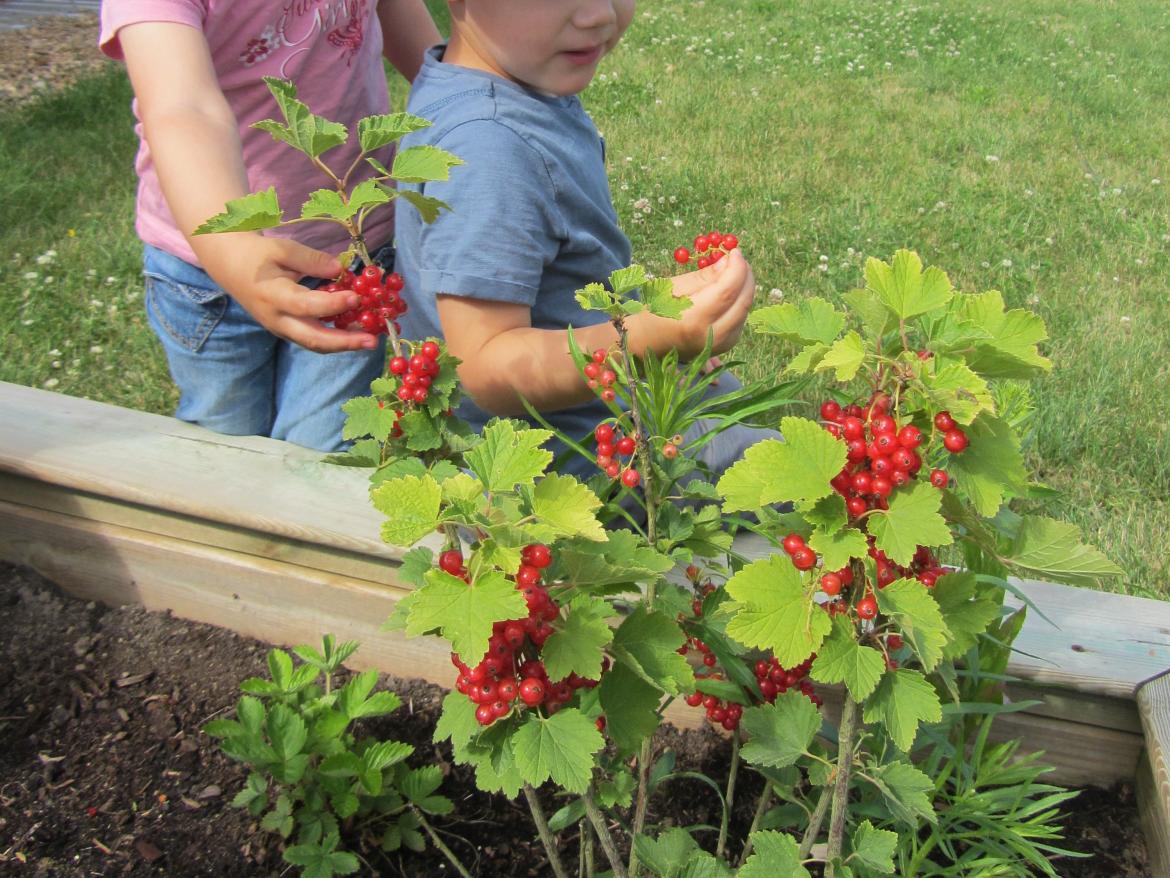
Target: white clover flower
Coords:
[(775, 295), (30, 275), (1007, 263), (1033, 299), (1125, 320), (96, 349), (1048, 241), (111, 280), (991, 158), (824, 258), (677, 223), (1155, 182), (54, 353), (51, 383)]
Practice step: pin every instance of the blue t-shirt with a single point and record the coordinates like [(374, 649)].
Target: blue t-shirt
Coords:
[(531, 218)]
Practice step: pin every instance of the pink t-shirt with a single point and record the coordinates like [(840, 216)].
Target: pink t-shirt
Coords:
[(331, 50)]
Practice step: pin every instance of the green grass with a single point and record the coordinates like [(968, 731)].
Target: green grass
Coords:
[(1020, 147)]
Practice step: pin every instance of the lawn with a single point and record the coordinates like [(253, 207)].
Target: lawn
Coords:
[(1021, 147)]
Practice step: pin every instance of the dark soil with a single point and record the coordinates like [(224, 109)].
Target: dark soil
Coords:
[(103, 769)]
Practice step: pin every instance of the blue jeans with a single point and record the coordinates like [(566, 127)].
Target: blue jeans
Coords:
[(236, 377)]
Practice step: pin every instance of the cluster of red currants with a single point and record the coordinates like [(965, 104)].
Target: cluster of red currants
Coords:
[(416, 372), (511, 674), (709, 249), (773, 679), (381, 305), (611, 446), (600, 376)]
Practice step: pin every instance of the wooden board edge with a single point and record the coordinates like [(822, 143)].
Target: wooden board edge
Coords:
[(1153, 787)]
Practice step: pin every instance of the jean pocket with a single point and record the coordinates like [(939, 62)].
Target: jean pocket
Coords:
[(188, 313)]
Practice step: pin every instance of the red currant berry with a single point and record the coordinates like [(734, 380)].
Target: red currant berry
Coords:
[(853, 428), (867, 607), (591, 370), (882, 486), (451, 561), (536, 554), (600, 355), (695, 698), (882, 423), (955, 441), (532, 691), (631, 478), (372, 274), (670, 451), (831, 584), (626, 446), (856, 506), (792, 543), (398, 366), (830, 410), (730, 242), (702, 243), (943, 421), (527, 575), (939, 478), (910, 437), (430, 350), (682, 255), (804, 558), (484, 715)]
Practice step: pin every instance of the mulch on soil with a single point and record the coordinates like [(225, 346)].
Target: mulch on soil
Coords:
[(103, 769), (48, 55)]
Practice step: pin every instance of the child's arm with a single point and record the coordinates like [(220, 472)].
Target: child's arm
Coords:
[(505, 358), (195, 146), (407, 32)]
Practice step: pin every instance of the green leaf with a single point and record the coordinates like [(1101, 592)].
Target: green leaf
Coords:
[(366, 417), (841, 659), (874, 847), (368, 194), (260, 210), (704, 865), (594, 297), (419, 429), (577, 644), (630, 705), (411, 507), (312, 135), (345, 804), (807, 359), (648, 642), (624, 281), (907, 790), (423, 164), (811, 320), (383, 754), (966, 615), (250, 712), (914, 610), (322, 860), (326, 203), (427, 207), (561, 747), (954, 387), (509, 455), (902, 700), (659, 298), (287, 732), (567, 507), (913, 519), (374, 132), (1012, 350), (774, 611), (280, 666), (668, 854), (780, 732), (799, 468), (419, 783), (774, 854), (1053, 550), (846, 356), (837, 549), (991, 468), (875, 317), (904, 287), (827, 514), (355, 692), (464, 613)]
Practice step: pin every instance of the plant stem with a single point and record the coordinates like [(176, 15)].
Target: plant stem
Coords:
[(642, 449), (761, 809), (813, 830), (729, 799), (840, 806), (438, 842), (611, 852), (546, 836)]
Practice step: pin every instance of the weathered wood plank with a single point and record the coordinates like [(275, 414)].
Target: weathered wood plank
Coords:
[(1153, 698)]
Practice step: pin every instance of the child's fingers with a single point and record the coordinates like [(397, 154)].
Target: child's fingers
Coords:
[(316, 336), (305, 261)]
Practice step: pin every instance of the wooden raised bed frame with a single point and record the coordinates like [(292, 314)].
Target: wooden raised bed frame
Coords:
[(261, 537)]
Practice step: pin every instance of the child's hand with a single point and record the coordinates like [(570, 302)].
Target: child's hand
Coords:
[(261, 274), (722, 296)]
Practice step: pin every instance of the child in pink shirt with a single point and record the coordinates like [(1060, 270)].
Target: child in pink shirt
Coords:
[(244, 340)]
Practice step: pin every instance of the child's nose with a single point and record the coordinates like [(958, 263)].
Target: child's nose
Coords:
[(593, 14)]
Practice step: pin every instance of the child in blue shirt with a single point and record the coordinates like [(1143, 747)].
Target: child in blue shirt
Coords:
[(532, 221)]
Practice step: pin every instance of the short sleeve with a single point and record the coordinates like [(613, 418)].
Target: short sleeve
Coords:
[(503, 228), (116, 14)]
